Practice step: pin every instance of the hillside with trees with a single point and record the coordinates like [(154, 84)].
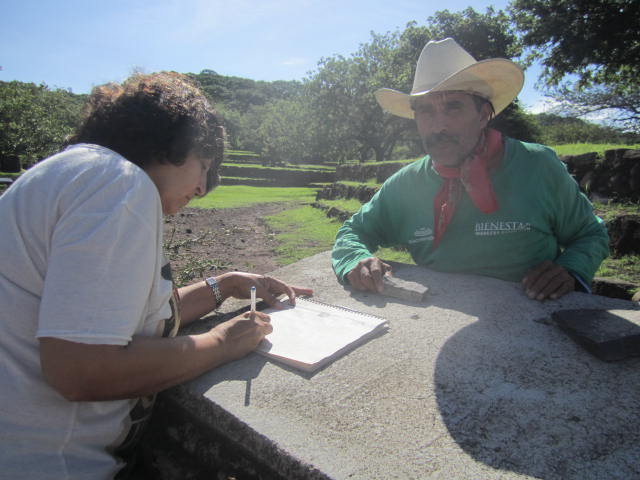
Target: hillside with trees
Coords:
[(332, 117)]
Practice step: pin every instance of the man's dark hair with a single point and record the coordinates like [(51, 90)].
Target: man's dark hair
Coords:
[(478, 100), (156, 118)]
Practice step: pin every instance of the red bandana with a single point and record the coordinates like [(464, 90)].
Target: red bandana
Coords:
[(473, 175)]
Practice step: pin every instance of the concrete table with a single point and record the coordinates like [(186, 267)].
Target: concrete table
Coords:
[(473, 383)]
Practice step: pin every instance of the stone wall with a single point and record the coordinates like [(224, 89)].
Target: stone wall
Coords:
[(179, 443), (363, 193), (624, 233), (356, 173), (365, 172), (616, 177), (278, 176)]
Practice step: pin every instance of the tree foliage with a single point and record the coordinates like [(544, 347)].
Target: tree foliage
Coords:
[(241, 102), (240, 94), (34, 121), (596, 43), (332, 115), (284, 132), (352, 124), (594, 39), (620, 106), (483, 35), (558, 130)]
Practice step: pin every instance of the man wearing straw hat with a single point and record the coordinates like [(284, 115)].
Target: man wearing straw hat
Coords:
[(479, 202)]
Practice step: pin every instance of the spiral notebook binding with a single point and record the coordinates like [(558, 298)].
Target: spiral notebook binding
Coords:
[(339, 307)]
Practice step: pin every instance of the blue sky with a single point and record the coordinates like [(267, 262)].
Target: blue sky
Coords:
[(78, 44)]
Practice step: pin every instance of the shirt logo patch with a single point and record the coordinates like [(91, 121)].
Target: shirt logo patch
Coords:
[(423, 234), (501, 228)]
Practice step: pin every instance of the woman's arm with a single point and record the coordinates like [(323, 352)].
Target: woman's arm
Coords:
[(147, 365), (197, 300)]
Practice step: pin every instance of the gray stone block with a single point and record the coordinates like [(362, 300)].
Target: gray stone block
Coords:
[(608, 334), (404, 289)]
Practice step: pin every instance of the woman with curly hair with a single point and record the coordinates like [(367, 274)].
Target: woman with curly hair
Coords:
[(90, 313)]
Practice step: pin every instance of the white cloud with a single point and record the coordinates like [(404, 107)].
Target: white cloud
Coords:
[(295, 61), (542, 105)]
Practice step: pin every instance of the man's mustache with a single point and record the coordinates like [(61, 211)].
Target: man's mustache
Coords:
[(437, 138)]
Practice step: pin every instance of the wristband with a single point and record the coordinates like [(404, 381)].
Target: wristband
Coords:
[(213, 284)]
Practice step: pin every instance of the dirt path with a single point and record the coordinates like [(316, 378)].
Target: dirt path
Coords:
[(232, 238)]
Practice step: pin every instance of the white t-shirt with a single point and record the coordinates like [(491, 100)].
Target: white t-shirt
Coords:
[(81, 260)]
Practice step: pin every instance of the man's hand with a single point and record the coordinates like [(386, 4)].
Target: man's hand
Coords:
[(548, 280), (367, 275)]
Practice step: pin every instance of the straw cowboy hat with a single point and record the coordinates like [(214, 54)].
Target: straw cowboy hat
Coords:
[(445, 66)]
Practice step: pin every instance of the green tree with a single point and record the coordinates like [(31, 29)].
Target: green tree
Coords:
[(590, 50), (620, 106), (284, 132), (483, 35), (558, 130), (34, 121), (350, 123), (597, 40), (236, 97)]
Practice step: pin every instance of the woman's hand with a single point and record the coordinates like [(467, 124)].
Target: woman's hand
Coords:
[(241, 334), (238, 285)]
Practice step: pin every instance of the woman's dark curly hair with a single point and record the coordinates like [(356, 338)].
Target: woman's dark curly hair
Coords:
[(156, 118)]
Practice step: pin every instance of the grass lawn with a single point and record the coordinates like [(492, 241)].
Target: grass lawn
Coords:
[(228, 196), (288, 167), (625, 268), (608, 212), (580, 148), (369, 183), (305, 231), (350, 205), (302, 232), (12, 175)]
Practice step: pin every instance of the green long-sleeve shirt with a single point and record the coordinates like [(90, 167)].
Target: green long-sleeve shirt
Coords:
[(542, 215)]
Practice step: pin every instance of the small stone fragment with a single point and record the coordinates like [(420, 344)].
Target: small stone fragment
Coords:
[(404, 289)]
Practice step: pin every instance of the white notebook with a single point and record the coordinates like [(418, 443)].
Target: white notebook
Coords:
[(313, 334)]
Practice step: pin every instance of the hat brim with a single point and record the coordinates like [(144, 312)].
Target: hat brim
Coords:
[(498, 80)]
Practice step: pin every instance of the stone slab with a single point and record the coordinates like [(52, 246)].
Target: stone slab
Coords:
[(477, 382), (610, 335), (403, 289)]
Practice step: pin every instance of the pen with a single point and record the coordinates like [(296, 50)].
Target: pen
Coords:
[(253, 299)]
